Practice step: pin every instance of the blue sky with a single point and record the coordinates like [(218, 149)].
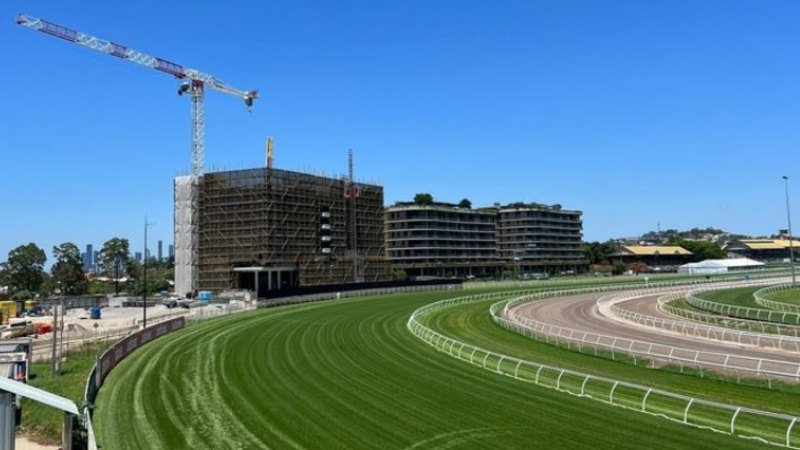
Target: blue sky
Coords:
[(682, 113)]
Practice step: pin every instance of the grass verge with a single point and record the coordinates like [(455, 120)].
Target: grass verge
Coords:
[(42, 424)]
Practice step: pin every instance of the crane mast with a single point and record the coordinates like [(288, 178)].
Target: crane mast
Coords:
[(194, 81)]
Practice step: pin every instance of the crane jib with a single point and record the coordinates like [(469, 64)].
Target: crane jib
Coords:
[(199, 79), (58, 31), (120, 51), (169, 67)]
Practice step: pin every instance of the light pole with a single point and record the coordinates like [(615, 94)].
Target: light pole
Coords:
[(116, 276), (144, 275), (789, 223)]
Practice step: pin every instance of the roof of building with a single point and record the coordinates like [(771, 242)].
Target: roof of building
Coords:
[(652, 250), (729, 263), (399, 206), (765, 244)]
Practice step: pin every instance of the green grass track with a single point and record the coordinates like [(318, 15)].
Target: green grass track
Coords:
[(349, 375), (787, 296), (472, 323)]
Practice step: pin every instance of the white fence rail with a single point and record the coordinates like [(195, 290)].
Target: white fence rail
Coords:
[(683, 357), (358, 293), (742, 312), (653, 278), (612, 306), (666, 306), (764, 426), (760, 297)]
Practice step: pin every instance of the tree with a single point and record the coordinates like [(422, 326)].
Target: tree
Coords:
[(423, 199), (5, 279), (599, 252), (115, 257), (701, 250), (399, 274), (25, 267), (590, 252), (618, 268), (465, 203), (48, 285), (638, 267), (68, 272)]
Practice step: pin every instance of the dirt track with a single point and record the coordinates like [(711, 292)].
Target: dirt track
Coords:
[(581, 313)]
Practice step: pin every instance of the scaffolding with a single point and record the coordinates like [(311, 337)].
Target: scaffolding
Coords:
[(186, 236), (271, 218)]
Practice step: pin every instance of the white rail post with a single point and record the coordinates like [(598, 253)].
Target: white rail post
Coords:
[(537, 374), (789, 432), (733, 420), (686, 411), (611, 394), (516, 369), (7, 419), (66, 432), (644, 400)]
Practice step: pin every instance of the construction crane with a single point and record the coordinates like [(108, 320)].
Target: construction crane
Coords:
[(194, 81)]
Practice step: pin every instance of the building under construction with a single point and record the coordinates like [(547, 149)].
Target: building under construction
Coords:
[(265, 229)]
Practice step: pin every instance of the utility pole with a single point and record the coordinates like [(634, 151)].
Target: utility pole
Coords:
[(116, 276), (61, 323), (53, 361), (789, 223), (144, 275)]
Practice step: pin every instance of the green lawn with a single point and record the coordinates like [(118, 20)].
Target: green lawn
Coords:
[(471, 323), (738, 296), (348, 374), (41, 423), (788, 296), (734, 323), (743, 297)]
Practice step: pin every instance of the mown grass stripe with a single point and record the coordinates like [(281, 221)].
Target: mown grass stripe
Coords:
[(306, 369)]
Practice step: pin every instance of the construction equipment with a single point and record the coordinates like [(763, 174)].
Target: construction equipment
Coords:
[(194, 82)]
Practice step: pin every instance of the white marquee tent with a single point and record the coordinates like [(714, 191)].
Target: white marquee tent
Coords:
[(710, 266)]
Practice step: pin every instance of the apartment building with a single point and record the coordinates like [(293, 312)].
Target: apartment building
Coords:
[(445, 240)]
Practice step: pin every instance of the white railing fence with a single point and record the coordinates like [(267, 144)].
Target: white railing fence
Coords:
[(760, 297), (612, 306), (666, 306), (764, 426), (742, 312), (616, 347), (654, 278), (358, 293)]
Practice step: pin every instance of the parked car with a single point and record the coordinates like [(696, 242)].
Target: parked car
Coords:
[(187, 303), (170, 302)]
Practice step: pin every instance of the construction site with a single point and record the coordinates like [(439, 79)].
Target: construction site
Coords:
[(267, 229)]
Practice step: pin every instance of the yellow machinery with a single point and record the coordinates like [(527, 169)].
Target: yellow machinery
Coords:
[(8, 308)]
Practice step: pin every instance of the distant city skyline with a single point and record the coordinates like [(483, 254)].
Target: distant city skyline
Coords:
[(91, 262)]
